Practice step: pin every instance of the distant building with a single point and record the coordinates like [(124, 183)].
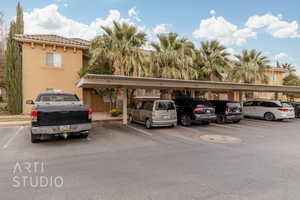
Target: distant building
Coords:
[(276, 76)]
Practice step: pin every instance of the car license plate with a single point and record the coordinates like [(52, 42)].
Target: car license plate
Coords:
[(64, 128), (208, 111)]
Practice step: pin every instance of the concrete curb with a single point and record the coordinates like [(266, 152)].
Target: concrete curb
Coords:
[(28, 123)]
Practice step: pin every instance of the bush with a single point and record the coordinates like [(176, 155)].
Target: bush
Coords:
[(3, 108), (115, 113)]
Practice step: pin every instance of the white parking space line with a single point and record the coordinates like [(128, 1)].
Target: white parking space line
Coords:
[(12, 137), (140, 130)]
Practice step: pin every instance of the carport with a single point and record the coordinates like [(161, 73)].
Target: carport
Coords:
[(128, 82)]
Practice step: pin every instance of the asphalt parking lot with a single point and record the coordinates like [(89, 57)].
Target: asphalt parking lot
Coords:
[(255, 159)]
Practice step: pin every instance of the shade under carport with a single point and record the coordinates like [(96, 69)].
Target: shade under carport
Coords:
[(115, 81), (125, 82)]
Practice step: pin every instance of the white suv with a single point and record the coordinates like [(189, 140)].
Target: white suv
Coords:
[(269, 110)]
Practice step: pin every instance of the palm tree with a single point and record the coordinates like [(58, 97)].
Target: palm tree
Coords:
[(250, 67), (213, 60), (173, 57), (119, 46), (289, 67)]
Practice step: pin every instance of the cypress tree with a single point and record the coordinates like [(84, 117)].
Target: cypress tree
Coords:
[(13, 65)]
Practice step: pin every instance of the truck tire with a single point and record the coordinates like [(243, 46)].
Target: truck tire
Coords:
[(35, 138)]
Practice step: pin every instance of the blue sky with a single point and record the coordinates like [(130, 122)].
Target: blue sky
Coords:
[(268, 26)]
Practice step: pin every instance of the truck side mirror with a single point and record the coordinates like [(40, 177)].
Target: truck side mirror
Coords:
[(29, 102)]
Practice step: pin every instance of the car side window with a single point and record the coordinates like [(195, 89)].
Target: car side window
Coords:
[(248, 104), (258, 103), (265, 104), (147, 105), (269, 104)]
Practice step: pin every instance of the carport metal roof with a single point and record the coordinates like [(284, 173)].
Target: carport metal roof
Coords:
[(115, 81)]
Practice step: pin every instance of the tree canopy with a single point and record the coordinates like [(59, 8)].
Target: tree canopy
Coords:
[(13, 64)]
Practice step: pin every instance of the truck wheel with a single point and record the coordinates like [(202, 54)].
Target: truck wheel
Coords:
[(35, 138)]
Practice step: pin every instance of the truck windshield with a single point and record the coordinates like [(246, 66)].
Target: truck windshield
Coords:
[(57, 97)]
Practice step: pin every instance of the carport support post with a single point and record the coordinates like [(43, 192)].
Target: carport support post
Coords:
[(193, 93), (276, 95), (125, 106)]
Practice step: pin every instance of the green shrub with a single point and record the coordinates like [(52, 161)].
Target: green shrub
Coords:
[(3, 107), (115, 113)]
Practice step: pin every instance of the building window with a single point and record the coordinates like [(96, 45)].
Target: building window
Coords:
[(53, 59), (274, 78)]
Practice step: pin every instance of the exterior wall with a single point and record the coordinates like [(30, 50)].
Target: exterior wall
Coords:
[(275, 78), (37, 76), (96, 102)]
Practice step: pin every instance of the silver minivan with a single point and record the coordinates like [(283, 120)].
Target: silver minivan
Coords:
[(154, 113)]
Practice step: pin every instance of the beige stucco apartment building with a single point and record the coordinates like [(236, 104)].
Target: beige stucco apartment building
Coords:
[(50, 62)]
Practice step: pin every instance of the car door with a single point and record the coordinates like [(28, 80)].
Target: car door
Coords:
[(135, 113), (257, 109), (248, 108), (146, 111)]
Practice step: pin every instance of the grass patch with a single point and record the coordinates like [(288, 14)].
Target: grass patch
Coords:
[(11, 119)]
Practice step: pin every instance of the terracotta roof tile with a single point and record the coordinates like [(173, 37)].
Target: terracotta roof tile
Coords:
[(53, 40)]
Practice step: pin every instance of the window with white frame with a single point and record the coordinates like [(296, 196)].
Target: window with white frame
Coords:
[(53, 59)]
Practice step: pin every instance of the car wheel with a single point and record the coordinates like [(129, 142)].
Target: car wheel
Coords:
[(148, 124), (130, 119), (185, 120), (35, 138), (269, 116), (220, 119)]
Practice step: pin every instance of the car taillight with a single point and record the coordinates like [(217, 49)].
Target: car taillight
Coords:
[(283, 109), (90, 111), (198, 110), (34, 114)]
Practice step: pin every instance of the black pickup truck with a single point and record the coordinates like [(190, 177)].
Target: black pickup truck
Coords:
[(59, 114)]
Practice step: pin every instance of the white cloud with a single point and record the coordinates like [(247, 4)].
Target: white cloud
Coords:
[(218, 28), (212, 12), (49, 20), (275, 26), (232, 53), (282, 57), (162, 28), (132, 12)]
